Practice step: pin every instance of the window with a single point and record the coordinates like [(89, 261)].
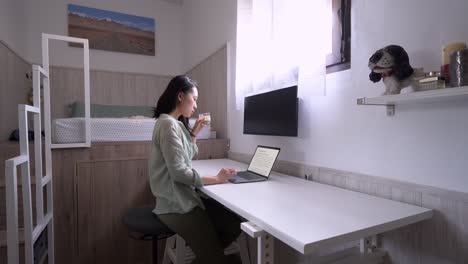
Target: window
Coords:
[(281, 43), (340, 57)]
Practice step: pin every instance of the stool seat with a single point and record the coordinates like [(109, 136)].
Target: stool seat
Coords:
[(144, 221)]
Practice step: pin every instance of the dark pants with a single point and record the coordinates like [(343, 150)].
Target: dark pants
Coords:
[(207, 232)]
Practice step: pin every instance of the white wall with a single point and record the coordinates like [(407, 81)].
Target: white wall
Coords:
[(13, 23), (50, 16), (208, 25), (423, 143)]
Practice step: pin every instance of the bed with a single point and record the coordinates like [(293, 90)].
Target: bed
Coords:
[(72, 130), (110, 123)]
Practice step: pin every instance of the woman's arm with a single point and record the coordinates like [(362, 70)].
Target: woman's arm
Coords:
[(208, 180), (222, 177), (199, 124)]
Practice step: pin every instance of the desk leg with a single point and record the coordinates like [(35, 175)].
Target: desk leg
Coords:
[(368, 244), (265, 249), (265, 242)]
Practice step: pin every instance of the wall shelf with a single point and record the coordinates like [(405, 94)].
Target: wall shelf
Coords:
[(390, 101)]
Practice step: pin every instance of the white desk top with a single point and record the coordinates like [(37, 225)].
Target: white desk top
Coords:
[(307, 215)]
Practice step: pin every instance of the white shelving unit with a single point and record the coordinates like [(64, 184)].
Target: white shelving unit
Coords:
[(390, 101)]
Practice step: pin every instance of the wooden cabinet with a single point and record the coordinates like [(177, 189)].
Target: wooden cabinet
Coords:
[(93, 187), (105, 189)]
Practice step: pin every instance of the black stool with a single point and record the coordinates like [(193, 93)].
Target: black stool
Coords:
[(144, 225)]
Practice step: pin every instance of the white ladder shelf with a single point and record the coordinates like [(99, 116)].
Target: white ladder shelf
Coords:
[(44, 220)]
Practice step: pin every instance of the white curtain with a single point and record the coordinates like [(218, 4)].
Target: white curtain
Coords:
[(281, 43)]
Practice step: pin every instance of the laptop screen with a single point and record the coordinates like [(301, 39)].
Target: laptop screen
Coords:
[(263, 160)]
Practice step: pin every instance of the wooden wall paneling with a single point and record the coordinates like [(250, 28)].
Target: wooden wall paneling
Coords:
[(148, 90), (112, 83), (4, 105), (240, 157), (18, 86), (218, 79), (97, 95), (120, 150), (331, 177), (367, 185), (7, 151), (212, 149), (130, 92), (211, 75), (66, 85), (207, 95), (294, 169), (118, 90), (160, 86), (14, 88), (112, 88), (108, 151), (445, 236), (404, 244), (142, 94)]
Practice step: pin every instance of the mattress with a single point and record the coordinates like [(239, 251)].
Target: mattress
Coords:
[(72, 130)]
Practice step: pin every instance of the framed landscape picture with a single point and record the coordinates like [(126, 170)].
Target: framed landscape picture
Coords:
[(112, 31)]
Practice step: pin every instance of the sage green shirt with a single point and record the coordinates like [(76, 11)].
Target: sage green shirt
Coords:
[(172, 178)]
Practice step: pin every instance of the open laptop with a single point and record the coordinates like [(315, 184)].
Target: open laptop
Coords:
[(260, 166)]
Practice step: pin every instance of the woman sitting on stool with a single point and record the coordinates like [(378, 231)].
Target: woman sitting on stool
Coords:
[(205, 225)]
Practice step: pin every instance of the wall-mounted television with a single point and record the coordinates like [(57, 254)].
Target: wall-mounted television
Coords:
[(272, 113)]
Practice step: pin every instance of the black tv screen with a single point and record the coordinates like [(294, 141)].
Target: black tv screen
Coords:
[(272, 113)]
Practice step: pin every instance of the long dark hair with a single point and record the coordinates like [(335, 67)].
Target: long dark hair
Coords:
[(168, 100)]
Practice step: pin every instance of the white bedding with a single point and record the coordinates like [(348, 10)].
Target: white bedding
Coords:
[(71, 130)]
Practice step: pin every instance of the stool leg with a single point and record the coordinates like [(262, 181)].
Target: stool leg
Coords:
[(180, 250), (169, 252), (155, 250), (243, 243)]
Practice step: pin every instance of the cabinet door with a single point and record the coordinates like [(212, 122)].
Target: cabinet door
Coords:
[(105, 190)]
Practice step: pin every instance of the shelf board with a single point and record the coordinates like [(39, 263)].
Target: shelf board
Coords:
[(431, 95), (425, 96)]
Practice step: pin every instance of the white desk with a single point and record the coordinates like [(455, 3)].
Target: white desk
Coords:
[(307, 215)]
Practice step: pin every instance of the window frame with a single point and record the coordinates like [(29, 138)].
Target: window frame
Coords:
[(340, 58)]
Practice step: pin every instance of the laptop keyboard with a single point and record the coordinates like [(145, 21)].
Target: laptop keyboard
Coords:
[(248, 176)]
